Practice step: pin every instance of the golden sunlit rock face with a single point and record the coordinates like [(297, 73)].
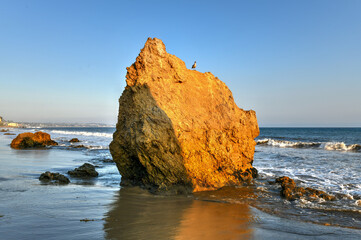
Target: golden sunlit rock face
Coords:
[(180, 127), (32, 140)]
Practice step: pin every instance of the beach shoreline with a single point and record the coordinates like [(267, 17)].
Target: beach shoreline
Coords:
[(101, 209)]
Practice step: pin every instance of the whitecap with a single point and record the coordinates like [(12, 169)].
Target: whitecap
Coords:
[(285, 144), (341, 146), (96, 134), (330, 146)]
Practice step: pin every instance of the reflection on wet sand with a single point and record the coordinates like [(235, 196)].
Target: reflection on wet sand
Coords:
[(212, 220), (137, 214), (32, 153)]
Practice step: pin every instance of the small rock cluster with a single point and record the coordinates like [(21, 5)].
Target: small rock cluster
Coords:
[(85, 171), (54, 178), (291, 192)]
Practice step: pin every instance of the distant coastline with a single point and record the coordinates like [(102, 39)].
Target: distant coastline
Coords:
[(11, 124)]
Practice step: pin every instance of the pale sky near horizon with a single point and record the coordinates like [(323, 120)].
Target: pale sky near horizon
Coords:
[(296, 63)]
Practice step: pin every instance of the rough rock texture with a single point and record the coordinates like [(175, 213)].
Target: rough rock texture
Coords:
[(74, 140), (86, 170), (32, 140), (180, 127), (54, 178), (291, 192)]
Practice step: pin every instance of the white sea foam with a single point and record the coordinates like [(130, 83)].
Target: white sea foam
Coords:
[(330, 146), (284, 144), (95, 134), (341, 146)]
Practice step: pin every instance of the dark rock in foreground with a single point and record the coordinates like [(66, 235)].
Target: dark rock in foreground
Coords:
[(291, 192), (32, 140), (54, 177), (74, 140), (84, 171)]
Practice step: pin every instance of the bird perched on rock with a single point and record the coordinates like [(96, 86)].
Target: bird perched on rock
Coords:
[(194, 65)]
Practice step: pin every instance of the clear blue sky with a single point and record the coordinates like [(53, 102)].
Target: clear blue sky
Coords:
[(296, 63)]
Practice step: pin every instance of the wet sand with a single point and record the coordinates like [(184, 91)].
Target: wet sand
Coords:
[(100, 209), (138, 215)]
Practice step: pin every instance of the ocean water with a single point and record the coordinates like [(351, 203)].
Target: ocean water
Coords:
[(323, 158), (327, 159)]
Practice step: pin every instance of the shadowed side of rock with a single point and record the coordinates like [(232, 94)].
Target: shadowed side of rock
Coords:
[(146, 147)]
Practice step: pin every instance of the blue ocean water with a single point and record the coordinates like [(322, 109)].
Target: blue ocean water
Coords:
[(347, 136)]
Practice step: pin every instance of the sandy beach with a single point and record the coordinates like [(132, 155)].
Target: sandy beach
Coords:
[(101, 209)]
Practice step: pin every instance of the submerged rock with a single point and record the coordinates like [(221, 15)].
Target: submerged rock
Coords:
[(32, 140), (9, 133), (180, 127), (291, 192), (74, 140), (77, 146), (54, 177), (86, 170), (4, 130)]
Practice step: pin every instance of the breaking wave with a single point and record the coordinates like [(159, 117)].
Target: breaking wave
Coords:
[(95, 134), (341, 146), (330, 146)]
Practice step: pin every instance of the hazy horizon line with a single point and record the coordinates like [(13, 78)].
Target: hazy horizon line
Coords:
[(260, 126)]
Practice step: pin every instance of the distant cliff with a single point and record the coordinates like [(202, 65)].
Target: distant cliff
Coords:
[(180, 127)]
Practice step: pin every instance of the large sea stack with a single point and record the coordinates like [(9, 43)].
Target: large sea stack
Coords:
[(179, 128)]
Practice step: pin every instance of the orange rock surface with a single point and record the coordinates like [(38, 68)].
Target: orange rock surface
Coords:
[(180, 127), (31, 140)]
